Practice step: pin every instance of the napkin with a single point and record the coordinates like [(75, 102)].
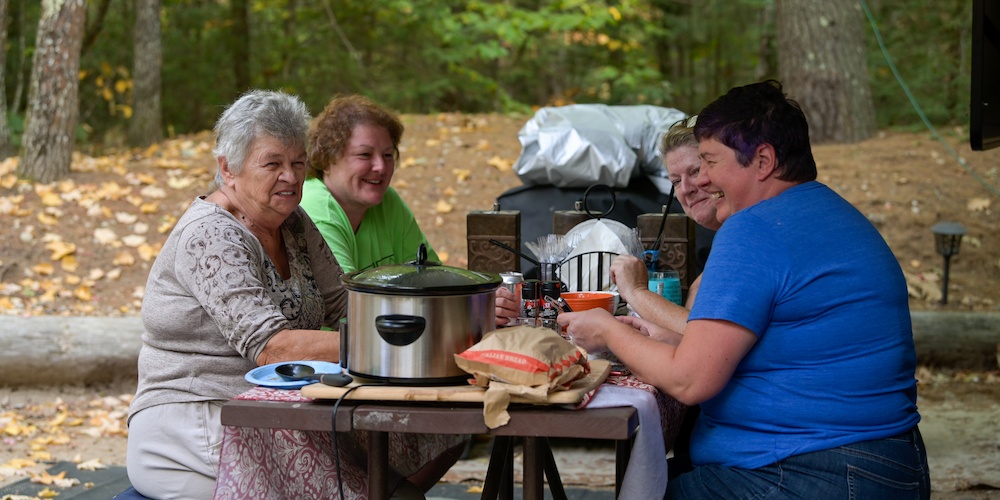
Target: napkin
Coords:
[(602, 236), (646, 475)]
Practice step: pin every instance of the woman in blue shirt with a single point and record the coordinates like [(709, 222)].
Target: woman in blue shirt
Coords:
[(798, 346)]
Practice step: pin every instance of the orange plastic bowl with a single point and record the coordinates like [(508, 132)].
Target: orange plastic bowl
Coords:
[(581, 301)]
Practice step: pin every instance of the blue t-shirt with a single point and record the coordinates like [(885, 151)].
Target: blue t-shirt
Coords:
[(834, 359)]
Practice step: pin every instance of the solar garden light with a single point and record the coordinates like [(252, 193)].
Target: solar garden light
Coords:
[(947, 239)]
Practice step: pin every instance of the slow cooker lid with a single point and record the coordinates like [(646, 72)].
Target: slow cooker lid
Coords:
[(421, 277)]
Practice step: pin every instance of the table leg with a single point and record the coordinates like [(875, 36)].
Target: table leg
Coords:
[(623, 451), (499, 481), (552, 473), (534, 478), (378, 465)]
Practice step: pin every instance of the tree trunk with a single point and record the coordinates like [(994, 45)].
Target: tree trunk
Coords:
[(53, 104), (240, 45), (144, 127), (5, 143), (822, 63)]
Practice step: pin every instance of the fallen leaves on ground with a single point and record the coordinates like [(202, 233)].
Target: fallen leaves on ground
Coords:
[(50, 431)]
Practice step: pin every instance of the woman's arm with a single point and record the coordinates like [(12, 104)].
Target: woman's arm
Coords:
[(629, 273), (296, 345), (692, 371)]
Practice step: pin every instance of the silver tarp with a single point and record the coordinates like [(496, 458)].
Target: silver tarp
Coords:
[(585, 144)]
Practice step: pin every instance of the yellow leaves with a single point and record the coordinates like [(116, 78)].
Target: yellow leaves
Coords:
[(106, 236), (443, 256), (47, 479), (47, 493), (978, 204), (83, 293), (431, 143), (134, 240), (19, 463), (443, 207), (461, 174), (615, 13), (149, 252), (500, 164), (43, 269), (123, 259), (60, 249), (166, 163), (409, 162), (69, 263), (180, 182), (8, 181), (11, 205), (47, 219), (152, 192), (92, 464), (9, 166), (167, 224), (126, 218), (923, 286), (150, 208), (51, 199), (13, 425)]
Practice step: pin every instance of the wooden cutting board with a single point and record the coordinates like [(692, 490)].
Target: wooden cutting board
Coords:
[(599, 370)]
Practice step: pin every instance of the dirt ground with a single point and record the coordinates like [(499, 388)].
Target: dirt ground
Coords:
[(83, 246)]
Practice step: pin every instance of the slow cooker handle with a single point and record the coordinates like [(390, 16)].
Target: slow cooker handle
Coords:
[(400, 329), (344, 344), (422, 254)]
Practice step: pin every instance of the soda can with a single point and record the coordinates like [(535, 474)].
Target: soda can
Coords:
[(512, 281)]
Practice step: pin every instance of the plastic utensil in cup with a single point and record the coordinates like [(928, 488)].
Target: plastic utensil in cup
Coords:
[(299, 371)]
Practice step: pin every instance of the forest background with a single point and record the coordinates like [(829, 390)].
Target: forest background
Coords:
[(124, 90), (425, 56)]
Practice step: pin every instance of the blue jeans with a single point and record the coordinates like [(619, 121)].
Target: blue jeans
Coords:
[(890, 468)]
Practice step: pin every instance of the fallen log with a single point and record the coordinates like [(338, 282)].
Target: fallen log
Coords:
[(47, 350), (957, 339)]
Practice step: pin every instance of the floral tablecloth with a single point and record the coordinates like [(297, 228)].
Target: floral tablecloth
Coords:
[(290, 464)]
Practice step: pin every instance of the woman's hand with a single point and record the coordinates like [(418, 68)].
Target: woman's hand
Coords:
[(507, 307), (629, 273), (651, 330), (587, 329)]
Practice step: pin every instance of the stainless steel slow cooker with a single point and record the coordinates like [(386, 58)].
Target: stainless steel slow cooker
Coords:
[(405, 322)]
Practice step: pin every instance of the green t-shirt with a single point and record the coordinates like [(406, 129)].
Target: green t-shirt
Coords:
[(388, 233)]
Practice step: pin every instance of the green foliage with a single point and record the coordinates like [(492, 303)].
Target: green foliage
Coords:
[(930, 46), (422, 56), (15, 123)]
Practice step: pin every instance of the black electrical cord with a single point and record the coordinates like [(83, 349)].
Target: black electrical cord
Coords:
[(336, 452)]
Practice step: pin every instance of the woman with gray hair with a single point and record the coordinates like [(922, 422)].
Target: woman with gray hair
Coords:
[(244, 280)]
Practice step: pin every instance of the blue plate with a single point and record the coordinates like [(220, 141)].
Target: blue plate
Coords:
[(267, 377)]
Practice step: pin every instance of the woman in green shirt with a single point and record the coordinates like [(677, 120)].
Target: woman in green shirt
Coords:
[(353, 148)]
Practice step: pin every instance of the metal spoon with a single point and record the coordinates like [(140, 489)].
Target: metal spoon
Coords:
[(299, 371)]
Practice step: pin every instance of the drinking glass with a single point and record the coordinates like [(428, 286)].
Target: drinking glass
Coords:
[(666, 284)]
